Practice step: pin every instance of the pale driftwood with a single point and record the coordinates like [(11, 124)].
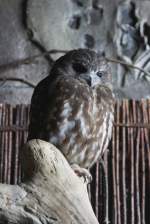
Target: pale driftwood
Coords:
[(50, 194)]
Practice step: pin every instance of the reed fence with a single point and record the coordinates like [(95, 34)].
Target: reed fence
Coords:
[(120, 190)]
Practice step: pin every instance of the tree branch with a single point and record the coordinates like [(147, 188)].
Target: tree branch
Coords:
[(17, 80), (51, 192), (114, 60)]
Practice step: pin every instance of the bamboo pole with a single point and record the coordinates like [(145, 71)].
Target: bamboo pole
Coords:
[(97, 191), (124, 163), (16, 146), (101, 195), (146, 117), (143, 178), (2, 143), (9, 144), (118, 166), (114, 176), (5, 144), (137, 118), (106, 187), (131, 132), (21, 139), (144, 139), (148, 102)]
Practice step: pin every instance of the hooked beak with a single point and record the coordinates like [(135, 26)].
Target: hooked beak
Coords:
[(91, 79), (88, 80)]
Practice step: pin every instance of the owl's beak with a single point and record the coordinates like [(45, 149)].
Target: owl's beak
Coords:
[(88, 80), (94, 79), (91, 79)]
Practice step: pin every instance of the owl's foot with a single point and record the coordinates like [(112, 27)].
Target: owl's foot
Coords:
[(82, 172)]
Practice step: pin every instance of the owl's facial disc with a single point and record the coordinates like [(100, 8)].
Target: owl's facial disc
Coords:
[(93, 78), (93, 75), (96, 78)]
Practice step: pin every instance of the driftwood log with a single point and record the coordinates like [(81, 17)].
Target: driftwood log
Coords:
[(51, 193)]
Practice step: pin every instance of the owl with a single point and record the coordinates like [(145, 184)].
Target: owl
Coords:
[(73, 108)]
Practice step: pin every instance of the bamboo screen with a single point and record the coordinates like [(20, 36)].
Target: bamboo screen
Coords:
[(120, 190)]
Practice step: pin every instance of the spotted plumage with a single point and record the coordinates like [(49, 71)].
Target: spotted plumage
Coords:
[(73, 107)]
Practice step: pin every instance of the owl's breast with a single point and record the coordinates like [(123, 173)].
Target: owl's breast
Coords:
[(80, 126)]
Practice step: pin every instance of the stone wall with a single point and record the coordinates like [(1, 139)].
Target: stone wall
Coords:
[(15, 45), (118, 29)]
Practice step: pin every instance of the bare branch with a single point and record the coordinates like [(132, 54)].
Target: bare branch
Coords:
[(114, 60), (17, 80)]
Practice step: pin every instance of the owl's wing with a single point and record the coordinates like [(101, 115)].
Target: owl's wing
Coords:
[(49, 103), (37, 108), (105, 101)]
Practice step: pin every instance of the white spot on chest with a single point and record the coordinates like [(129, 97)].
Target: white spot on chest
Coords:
[(95, 106), (81, 118), (65, 127), (66, 110), (110, 125), (106, 131)]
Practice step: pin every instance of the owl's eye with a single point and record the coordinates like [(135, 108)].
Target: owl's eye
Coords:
[(79, 68), (100, 74)]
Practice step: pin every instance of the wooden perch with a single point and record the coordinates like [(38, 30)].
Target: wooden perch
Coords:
[(50, 194)]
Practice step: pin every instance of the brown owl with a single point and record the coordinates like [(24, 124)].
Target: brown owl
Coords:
[(73, 108)]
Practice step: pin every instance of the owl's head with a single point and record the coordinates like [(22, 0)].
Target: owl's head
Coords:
[(85, 65)]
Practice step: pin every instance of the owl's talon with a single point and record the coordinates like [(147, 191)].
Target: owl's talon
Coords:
[(82, 172)]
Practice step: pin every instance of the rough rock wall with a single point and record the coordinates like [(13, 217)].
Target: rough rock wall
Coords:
[(119, 29), (15, 45)]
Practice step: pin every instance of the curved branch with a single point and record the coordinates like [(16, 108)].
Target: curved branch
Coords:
[(51, 193), (17, 80), (114, 60), (29, 60)]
